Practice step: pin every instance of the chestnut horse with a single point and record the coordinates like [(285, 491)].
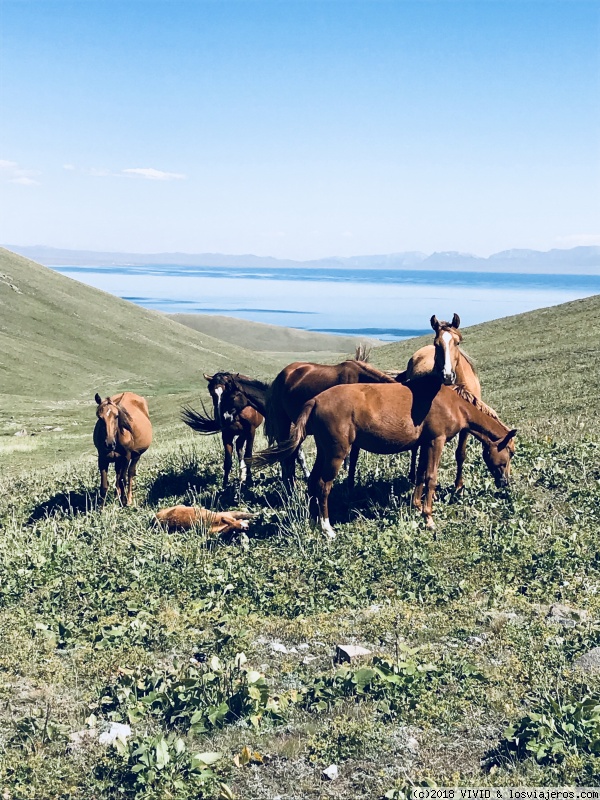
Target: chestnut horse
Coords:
[(452, 365), (235, 416), (389, 419), (301, 381), (123, 432)]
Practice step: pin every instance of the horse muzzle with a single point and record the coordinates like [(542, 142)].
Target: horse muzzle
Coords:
[(449, 378)]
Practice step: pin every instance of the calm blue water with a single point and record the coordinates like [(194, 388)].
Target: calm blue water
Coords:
[(389, 304)]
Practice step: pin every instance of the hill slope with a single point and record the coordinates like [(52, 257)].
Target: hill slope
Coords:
[(268, 338), (538, 369), (60, 338)]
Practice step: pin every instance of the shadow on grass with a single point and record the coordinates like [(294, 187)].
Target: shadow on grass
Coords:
[(65, 504), (177, 483)]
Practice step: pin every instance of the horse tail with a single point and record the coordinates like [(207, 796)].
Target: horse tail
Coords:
[(277, 422), (288, 448), (202, 423)]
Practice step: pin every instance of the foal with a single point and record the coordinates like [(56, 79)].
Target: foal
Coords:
[(386, 419)]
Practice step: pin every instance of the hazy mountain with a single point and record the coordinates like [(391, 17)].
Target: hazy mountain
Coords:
[(577, 260)]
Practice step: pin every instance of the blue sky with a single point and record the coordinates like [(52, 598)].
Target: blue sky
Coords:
[(300, 129)]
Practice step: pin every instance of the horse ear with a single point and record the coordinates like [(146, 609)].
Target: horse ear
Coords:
[(207, 377), (434, 323), (455, 321), (97, 398), (510, 435)]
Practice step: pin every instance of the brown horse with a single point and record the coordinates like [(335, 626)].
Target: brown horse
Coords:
[(301, 381), (123, 432), (389, 419), (452, 365), (182, 518), (235, 416)]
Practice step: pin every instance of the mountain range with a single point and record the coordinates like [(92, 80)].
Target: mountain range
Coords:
[(576, 260)]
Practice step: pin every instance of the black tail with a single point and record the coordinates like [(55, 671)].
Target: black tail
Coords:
[(288, 448), (202, 423)]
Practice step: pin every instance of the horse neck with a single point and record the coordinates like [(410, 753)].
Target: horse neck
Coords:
[(481, 425), (369, 374), (256, 392), (466, 375)]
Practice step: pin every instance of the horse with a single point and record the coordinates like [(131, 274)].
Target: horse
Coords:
[(301, 381), (235, 416), (123, 433), (182, 518), (386, 419), (446, 359)]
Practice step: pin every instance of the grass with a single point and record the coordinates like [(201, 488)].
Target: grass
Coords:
[(269, 338), (106, 618)]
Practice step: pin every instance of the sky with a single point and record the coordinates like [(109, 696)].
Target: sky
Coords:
[(300, 129)]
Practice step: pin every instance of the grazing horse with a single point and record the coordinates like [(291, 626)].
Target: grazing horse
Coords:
[(452, 365), (123, 432), (235, 416), (389, 419), (301, 381)]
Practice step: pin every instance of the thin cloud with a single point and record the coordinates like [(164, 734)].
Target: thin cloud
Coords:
[(69, 167), (151, 174), (12, 173)]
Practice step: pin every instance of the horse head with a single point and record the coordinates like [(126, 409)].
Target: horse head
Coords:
[(108, 414), (497, 455), (446, 343), (225, 393)]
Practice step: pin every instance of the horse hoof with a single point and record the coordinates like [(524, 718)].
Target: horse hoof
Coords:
[(430, 524)]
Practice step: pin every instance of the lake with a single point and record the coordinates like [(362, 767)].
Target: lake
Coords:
[(388, 304)]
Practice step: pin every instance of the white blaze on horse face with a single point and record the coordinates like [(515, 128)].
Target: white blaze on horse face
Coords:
[(219, 392), (447, 372), (326, 527)]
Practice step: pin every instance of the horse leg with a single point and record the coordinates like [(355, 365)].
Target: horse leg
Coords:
[(412, 475), (248, 451), (121, 465), (322, 478), (302, 460), (103, 467), (131, 473), (352, 461), (228, 457), (417, 498), (461, 454), (240, 443), (434, 454)]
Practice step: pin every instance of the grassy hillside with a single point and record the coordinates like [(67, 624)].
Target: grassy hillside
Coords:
[(219, 654), (269, 338)]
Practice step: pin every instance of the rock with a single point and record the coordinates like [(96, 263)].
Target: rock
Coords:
[(349, 652), (303, 646), (308, 659), (412, 745), (22, 432), (277, 647), (117, 730), (78, 738), (476, 641), (589, 662), (565, 615), (331, 773)]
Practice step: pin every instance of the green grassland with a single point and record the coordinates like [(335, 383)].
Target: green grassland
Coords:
[(219, 652), (270, 338)]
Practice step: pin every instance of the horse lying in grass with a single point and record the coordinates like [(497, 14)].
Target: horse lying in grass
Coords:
[(215, 522), (123, 432), (235, 417), (392, 418), (446, 360)]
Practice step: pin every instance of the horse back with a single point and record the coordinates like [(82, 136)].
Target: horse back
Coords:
[(137, 408)]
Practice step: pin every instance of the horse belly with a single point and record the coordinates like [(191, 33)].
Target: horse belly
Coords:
[(386, 441)]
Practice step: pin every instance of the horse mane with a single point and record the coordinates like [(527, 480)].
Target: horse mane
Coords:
[(125, 421), (469, 359), (475, 401), (377, 375), (255, 391), (363, 352)]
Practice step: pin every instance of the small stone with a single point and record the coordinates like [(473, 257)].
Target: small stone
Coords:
[(22, 432), (589, 662), (277, 647), (413, 745), (476, 641), (303, 646), (565, 615), (348, 652), (117, 730), (331, 773), (308, 659)]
